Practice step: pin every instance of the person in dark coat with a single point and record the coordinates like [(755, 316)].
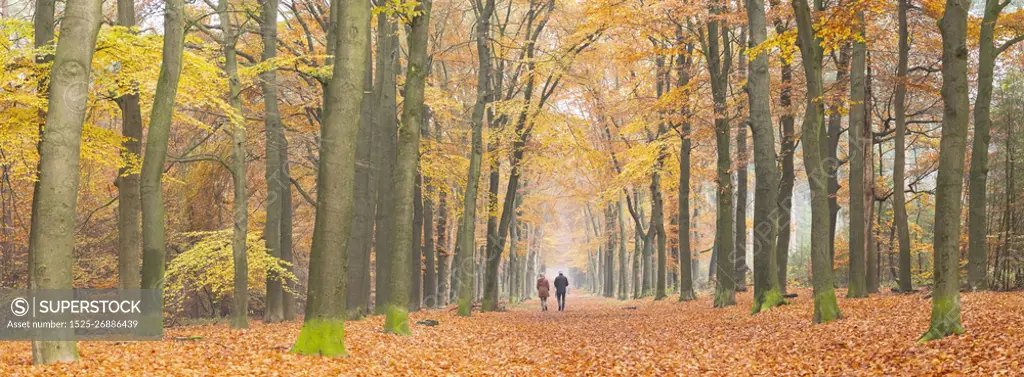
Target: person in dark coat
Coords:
[(561, 285), (543, 290)]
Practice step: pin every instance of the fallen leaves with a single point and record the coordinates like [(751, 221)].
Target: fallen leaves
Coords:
[(594, 337)]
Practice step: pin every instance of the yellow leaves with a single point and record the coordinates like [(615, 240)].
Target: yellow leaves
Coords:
[(404, 10), (840, 24), (208, 265), (785, 43)]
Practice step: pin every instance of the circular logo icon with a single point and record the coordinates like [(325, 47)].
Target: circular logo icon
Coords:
[(19, 306)]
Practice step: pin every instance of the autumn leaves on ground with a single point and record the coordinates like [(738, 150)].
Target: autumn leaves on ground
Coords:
[(594, 337)]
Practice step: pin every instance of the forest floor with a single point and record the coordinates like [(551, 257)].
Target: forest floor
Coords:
[(593, 337)]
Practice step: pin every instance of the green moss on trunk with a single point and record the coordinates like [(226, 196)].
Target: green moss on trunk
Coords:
[(724, 296), (826, 309), (397, 320), (324, 337), (945, 319), (465, 305), (687, 295), (768, 300)]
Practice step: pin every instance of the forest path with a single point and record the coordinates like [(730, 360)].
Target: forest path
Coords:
[(593, 337)]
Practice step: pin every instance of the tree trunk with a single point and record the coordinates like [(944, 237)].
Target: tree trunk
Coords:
[(357, 296), (609, 254), (429, 293), (128, 195), (859, 234), (323, 328), (977, 275), (718, 68), (455, 281), (658, 226), (286, 230), (830, 143), (623, 262), (686, 292), (826, 308), (53, 221), (42, 28), (405, 236), (240, 218), (274, 130), (766, 284), (416, 258), (949, 184), (153, 240), (638, 253), (444, 257), (899, 203), (386, 123), (867, 143), (788, 174), (512, 267), (483, 97)]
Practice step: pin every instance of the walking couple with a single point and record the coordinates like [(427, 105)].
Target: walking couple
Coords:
[(543, 289)]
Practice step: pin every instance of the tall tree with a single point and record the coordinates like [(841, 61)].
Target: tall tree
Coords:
[(663, 70), (357, 296), (53, 222), (826, 308), (766, 284), (977, 251), (866, 144), (686, 292), (323, 328), (949, 184), (788, 177), (899, 201), (718, 68), (467, 229), (129, 199), (859, 232), (386, 123), (240, 218), (397, 320), (43, 25), (274, 165), (830, 145), (153, 239)]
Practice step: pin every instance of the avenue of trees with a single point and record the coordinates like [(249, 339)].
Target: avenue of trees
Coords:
[(330, 160)]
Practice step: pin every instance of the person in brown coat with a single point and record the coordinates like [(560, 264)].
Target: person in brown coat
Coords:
[(543, 289)]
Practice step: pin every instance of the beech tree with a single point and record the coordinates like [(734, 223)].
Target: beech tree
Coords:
[(826, 308), (53, 215), (154, 247), (397, 320), (766, 284), (949, 184), (323, 328)]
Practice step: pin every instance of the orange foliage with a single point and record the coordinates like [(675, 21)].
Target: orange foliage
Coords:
[(594, 337)]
